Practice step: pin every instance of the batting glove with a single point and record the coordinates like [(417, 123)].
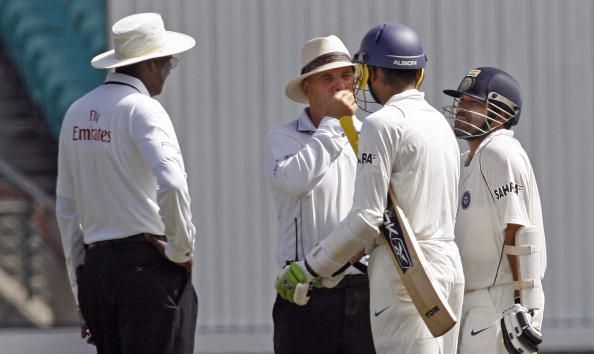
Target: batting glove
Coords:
[(328, 282), (519, 336), (294, 282)]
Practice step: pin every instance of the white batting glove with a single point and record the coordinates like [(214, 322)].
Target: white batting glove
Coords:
[(328, 282)]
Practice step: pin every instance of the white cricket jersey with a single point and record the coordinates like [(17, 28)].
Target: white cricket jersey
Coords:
[(311, 173), (121, 172), (497, 188), (409, 144)]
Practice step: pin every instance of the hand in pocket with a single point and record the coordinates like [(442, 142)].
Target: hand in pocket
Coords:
[(160, 245)]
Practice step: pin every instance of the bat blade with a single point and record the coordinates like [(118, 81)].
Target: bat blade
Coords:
[(411, 264)]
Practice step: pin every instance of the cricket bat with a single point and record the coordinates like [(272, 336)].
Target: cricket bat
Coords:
[(408, 258)]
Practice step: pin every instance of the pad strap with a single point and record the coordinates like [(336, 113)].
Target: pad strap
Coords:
[(521, 251), (518, 250), (524, 284), (520, 284)]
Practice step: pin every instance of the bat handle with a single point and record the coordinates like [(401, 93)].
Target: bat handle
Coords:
[(346, 122)]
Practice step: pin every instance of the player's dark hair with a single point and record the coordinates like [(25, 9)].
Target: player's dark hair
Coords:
[(400, 78), (131, 70)]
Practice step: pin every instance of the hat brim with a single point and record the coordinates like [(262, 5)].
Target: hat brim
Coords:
[(453, 93), (294, 90), (175, 43)]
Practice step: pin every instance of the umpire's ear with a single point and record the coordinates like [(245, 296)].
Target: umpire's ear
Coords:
[(305, 87)]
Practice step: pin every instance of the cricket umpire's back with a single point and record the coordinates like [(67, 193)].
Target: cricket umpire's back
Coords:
[(123, 204)]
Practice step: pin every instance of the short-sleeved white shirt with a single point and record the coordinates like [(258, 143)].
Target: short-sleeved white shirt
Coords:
[(497, 188)]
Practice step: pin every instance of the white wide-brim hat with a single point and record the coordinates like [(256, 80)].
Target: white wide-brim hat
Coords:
[(319, 54), (141, 37)]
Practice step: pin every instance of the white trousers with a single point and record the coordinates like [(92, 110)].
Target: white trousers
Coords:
[(396, 325), (481, 316)]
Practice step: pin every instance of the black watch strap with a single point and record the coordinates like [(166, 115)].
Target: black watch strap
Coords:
[(310, 270)]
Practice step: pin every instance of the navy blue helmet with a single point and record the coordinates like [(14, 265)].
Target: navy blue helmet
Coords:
[(500, 94), (492, 85), (391, 46), (388, 46)]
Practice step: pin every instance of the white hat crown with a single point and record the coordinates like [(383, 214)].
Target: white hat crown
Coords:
[(322, 46), (141, 37), (138, 35)]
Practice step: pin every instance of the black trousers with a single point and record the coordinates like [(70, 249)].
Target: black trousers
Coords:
[(137, 302), (334, 321)]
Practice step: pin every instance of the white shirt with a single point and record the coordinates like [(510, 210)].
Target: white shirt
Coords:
[(409, 144), (121, 172), (497, 188), (311, 173)]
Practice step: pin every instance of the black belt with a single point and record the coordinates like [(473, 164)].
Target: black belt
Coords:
[(353, 280), (120, 241)]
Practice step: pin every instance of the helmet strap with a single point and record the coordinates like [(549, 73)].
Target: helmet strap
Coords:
[(362, 76), (420, 78)]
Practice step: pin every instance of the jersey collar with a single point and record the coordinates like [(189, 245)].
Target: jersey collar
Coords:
[(304, 124), (408, 94), (129, 80), (487, 140), (504, 132)]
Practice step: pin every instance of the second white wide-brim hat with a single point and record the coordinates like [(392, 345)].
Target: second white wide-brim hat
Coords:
[(141, 37), (318, 55)]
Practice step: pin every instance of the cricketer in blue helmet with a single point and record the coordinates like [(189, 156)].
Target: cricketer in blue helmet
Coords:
[(499, 226)]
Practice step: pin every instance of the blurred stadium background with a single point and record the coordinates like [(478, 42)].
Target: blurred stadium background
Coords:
[(225, 96)]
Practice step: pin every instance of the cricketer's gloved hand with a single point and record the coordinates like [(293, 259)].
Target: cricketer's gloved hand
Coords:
[(328, 282), (519, 336), (293, 283)]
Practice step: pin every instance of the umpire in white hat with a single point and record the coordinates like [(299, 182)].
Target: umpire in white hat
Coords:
[(123, 205), (311, 169)]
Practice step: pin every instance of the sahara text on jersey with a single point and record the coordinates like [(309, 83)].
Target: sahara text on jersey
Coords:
[(507, 188)]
